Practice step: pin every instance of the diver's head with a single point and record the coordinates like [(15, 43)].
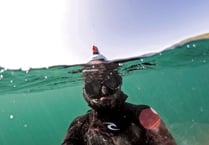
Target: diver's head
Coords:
[(102, 86)]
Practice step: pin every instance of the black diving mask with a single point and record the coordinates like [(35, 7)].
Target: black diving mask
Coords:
[(96, 88)]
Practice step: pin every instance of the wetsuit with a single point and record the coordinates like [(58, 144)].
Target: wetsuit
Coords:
[(128, 125)]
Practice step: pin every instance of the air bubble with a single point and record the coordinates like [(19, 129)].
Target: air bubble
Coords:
[(25, 125), (26, 69), (11, 116), (120, 64), (1, 77), (12, 73), (201, 109), (1, 71)]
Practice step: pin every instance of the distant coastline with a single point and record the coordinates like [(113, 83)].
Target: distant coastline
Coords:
[(198, 37)]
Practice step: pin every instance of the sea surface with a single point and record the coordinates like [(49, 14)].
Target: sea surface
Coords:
[(37, 105)]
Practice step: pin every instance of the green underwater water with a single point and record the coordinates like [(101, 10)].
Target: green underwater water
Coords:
[(37, 106)]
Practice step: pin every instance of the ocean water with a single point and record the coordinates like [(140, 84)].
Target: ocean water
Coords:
[(37, 105)]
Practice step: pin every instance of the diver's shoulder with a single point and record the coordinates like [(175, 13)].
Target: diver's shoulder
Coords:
[(136, 106), (82, 118)]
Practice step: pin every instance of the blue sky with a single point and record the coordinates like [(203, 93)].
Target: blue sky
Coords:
[(43, 33)]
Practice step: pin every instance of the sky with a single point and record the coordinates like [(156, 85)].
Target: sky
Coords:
[(42, 33)]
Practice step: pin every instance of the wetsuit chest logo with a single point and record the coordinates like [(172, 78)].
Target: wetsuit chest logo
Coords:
[(111, 126)]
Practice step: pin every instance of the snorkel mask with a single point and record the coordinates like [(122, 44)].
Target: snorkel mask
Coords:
[(102, 84)]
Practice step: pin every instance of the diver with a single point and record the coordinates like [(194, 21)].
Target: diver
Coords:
[(111, 120)]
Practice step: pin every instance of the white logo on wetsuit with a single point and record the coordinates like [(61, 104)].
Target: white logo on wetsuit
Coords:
[(111, 126)]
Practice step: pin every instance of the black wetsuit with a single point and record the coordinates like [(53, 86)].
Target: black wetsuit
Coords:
[(118, 127)]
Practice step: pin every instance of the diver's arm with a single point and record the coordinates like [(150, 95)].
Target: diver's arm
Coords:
[(160, 136), (156, 130), (74, 136)]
